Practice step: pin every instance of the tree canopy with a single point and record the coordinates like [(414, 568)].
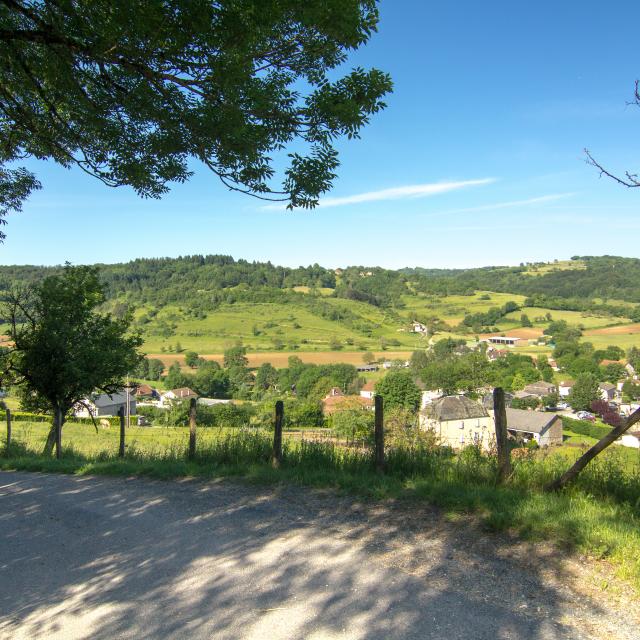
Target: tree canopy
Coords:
[(62, 349), (130, 92)]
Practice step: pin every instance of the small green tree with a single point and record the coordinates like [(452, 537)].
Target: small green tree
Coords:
[(191, 359), (368, 357), (398, 389), (584, 392), (63, 350)]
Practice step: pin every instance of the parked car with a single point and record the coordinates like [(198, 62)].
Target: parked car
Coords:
[(585, 415), (563, 406)]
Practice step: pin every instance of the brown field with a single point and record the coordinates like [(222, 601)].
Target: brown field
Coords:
[(618, 330), (526, 333), (279, 359)]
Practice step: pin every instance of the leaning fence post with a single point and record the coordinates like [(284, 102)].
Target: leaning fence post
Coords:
[(192, 428), (500, 418), (8, 429), (379, 434), (277, 435), (121, 416)]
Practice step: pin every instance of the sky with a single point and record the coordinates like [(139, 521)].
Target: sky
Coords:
[(477, 160)]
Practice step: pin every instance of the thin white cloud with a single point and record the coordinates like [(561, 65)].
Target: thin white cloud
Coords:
[(396, 193), (506, 205)]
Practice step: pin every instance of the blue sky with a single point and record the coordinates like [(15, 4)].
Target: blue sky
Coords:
[(476, 161)]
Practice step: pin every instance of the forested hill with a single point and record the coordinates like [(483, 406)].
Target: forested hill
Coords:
[(207, 280)]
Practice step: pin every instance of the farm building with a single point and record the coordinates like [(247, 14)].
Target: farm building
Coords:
[(544, 428), (367, 368), (104, 404), (509, 341), (458, 421)]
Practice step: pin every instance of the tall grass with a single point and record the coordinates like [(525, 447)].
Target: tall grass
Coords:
[(599, 514)]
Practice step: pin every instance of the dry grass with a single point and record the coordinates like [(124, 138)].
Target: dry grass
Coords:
[(526, 333), (280, 359), (618, 330)]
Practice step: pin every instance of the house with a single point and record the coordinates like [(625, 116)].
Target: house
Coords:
[(340, 402), (418, 327), (495, 354), (368, 390), (564, 389), (553, 364), (146, 392), (544, 428), (607, 391), (176, 395), (459, 421), (429, 395), (630, 370), (106, 404), (540, 388), (367, 368), (630, 439), (487, 400), (524, 395)]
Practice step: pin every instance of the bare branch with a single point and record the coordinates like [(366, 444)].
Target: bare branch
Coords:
[(632, 180)]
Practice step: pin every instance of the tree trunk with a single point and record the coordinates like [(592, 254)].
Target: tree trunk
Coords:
[(55, 434), (599, 446)]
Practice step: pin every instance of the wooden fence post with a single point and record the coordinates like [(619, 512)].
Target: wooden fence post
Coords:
[(277, 435), (192, 428), (500, 418), (379, 434), (8, 429), (121, 416)]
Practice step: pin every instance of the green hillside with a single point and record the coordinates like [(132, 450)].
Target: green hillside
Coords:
[(206, 303)]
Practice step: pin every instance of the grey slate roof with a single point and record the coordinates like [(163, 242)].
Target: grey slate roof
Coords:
[(106, 400), (529, 421), (454, 408), (607, 386)]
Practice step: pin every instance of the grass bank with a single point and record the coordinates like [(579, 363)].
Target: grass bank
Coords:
[(599, 516)]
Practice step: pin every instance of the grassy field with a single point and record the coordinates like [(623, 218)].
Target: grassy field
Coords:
[(270, 327), (589, 321), (598, 516)]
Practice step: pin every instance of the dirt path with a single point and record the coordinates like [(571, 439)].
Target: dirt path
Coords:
[(103, 558)]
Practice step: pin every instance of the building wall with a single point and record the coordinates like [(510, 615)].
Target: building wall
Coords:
[(628, 440), (552, 435), (460, 433)]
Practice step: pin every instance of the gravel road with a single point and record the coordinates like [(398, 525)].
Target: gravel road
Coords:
[(103, 558)]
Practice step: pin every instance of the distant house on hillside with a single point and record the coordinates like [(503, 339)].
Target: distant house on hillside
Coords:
[(337, 401), (458, 421), (367, 368), (553, 364), (418, 327), (544, 428), (176, 395), (540, 388), (146, 392), (368, 390), (104, 404), (607, 391), (564, 388)]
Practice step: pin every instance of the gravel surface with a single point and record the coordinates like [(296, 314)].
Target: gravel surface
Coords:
[(103, 558)]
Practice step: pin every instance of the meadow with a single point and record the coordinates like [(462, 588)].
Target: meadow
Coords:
[(598, 516)]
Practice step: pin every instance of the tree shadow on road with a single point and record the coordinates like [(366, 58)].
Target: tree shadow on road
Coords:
[(86, 557)]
